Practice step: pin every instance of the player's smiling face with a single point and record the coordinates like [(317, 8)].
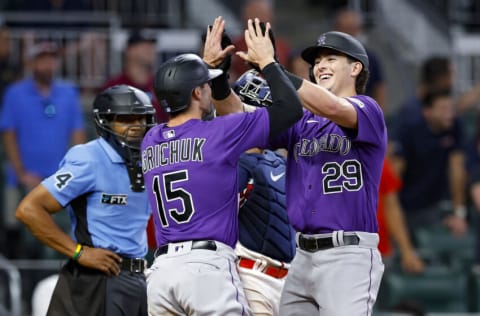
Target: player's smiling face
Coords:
[(334, 71)]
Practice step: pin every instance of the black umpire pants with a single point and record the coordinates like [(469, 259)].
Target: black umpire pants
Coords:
[(82, 291)]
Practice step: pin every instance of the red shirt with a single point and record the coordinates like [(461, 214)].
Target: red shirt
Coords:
[(389, 182), (151, 239)]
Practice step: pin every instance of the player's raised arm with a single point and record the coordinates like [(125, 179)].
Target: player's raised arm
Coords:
[(217, 53), (322, 102)]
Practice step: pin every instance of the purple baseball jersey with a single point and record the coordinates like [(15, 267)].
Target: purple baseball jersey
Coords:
[(333, 173), (190, 175)]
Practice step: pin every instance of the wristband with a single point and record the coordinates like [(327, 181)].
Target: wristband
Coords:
[(220, 87), (78, 252), (296, 81)]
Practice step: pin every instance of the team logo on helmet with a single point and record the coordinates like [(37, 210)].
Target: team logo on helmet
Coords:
[(322, 39)]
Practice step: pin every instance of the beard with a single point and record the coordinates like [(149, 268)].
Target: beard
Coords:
[(43, 77)]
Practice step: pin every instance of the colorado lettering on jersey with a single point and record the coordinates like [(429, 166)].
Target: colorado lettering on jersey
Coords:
[(174, 151), (119, 199), (327, 143)]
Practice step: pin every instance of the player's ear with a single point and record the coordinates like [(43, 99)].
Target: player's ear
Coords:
[(357, 68), (197, 92)]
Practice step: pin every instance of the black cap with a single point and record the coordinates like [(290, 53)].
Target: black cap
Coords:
[(139, 37), (177, 77), (339, 41)]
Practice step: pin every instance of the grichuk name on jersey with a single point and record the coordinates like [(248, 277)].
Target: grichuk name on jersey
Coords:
[(331, 143), (174, 151), (120, 199)]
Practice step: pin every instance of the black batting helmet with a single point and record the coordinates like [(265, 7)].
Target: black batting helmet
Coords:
[(177, 77), (122, 100), (340, 42)]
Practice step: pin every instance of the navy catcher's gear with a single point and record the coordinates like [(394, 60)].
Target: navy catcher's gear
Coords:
[(341, 42), (263, 221), (253, 89), (128, 101), (176, 79)]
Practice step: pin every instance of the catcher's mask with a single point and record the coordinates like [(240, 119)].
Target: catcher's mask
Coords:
[(253, 89), (124, 100)]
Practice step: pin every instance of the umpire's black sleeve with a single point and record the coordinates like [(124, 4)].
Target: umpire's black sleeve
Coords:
[(286, 108)]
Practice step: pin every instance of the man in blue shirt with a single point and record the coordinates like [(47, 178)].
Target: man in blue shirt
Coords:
[(41, 118), (101, 184)]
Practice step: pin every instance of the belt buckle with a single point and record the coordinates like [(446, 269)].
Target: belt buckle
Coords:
[(314, 244), (137, 265), (310, 244)]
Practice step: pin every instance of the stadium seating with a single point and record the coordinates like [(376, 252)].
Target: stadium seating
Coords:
[(438, 289), (437, 243)]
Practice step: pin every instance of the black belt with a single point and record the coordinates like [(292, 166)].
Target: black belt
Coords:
[(136, 265), (196, 244), (312, 244)]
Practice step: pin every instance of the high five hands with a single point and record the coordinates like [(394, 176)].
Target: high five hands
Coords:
[(260, 48), (213, 52)]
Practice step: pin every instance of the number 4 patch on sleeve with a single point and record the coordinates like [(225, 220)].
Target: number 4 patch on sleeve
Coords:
[(62, 179)]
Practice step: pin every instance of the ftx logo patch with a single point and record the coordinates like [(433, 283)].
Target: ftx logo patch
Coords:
[(119, 199)]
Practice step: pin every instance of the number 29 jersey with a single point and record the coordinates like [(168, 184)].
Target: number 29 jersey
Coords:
[(190, 174), (333, 173)]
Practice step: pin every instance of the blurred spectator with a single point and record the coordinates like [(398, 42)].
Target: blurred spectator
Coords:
[(10, 71), (41, 117), (473, 168), (391, 223), (138, 68), (430, 158), (351, 22), (51, 5), (262, 9), (436, 73), (298, 66)]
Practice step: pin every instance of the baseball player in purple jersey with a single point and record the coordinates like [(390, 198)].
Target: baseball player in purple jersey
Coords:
[(190, 172), (336, 153)]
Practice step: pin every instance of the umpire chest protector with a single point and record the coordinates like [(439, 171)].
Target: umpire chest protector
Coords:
[(263, 219)]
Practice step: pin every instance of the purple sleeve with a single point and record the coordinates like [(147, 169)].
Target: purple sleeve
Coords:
[(243, 131), (283, 139), (371, 122)]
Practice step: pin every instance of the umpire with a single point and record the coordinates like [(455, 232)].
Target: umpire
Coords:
[(101, 185)]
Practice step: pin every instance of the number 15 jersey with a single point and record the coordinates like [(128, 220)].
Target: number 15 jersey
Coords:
[(190, 175)]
